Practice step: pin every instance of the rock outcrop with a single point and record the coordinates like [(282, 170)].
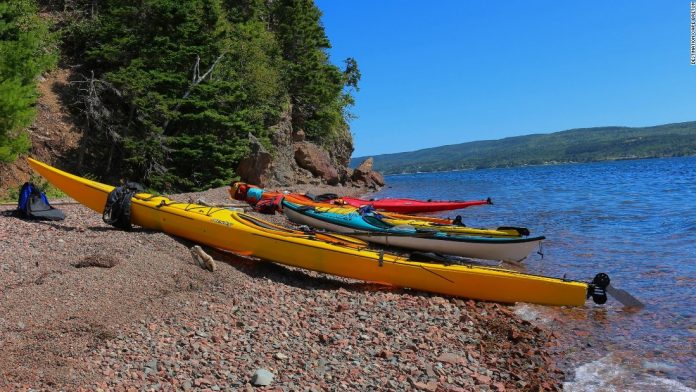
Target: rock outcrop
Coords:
[(295, 160), (255, 168), (364, 174), (309, 156)]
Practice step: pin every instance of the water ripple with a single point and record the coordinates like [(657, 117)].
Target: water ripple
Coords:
[(635, 220)]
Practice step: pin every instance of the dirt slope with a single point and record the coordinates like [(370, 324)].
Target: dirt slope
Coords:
[(53, 133)]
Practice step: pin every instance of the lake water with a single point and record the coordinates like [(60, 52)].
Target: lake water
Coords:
[(634, 220)]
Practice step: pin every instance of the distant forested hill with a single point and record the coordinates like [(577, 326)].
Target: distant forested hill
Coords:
[(575, 145)]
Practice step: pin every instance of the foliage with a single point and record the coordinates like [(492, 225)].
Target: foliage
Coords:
[(314, 84), (576, 145), (189, 80), (24, 53), (12, 194), (49, 189)]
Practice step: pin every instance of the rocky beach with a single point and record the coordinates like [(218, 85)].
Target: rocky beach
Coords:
[(186, 96), (89, 307)]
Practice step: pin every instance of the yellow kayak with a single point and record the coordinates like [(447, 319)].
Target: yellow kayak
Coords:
[(454, 229), (336, 255)]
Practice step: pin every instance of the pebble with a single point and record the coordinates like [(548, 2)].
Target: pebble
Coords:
[(450, 358), (658, 366), (152, 364), (209, 332), (262, 377)]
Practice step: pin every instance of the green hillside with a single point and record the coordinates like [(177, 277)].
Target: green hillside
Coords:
[(575, 145), (169, 91)]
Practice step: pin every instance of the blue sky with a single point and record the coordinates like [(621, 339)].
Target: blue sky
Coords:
[(447, 72)]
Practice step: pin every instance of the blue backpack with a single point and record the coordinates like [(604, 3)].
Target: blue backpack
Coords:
[(33, 204)]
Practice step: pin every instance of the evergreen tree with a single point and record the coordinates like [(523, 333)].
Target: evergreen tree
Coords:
[(24, 54), (189, 80), (198, 84), (314, 84)]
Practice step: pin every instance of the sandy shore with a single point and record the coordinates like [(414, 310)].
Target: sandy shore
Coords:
[(86, 306)]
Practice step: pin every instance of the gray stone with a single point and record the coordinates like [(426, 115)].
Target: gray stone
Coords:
[(655, 366), (262, 377), (152, 364)]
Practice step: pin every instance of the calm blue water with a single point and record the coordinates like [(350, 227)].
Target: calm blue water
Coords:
[(635, 220)]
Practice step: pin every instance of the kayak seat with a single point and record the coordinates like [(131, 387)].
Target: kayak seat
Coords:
[(321, 198), (376, 222)]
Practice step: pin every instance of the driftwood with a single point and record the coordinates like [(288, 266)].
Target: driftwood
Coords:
[(203, 259)]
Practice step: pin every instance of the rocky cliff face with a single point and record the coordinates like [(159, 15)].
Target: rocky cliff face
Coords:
[(296, 160)]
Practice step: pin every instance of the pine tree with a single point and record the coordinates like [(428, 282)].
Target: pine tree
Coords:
[(189, 80), (198, 79), (313, 82), (24, 54)]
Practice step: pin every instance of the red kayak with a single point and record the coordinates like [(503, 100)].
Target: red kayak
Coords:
[(265, 201), (413, 206)]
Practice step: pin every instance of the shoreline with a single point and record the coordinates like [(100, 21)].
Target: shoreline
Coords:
[(538, 165), (141, 313)]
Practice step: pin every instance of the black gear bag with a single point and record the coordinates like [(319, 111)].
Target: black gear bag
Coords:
[(117, 211)]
